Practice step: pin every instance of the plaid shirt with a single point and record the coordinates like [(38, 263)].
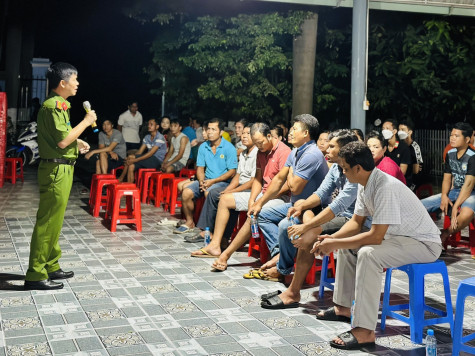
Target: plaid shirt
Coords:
[(388, 201)]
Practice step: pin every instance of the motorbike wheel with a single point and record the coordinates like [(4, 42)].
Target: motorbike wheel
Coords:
[(11, 153), (26, 155)]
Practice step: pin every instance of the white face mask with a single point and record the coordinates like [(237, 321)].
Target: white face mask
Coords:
[(387, 134), (402, 135)]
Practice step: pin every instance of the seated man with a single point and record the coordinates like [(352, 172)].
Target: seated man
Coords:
[(156, 145), (459, 164), (112, 149), (216, 165), (239, 187), (271, 159), (179, 149), (304, 171), (329, 220), (402, 232)]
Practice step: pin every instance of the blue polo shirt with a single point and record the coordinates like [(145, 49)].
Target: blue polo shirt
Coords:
[(216, 164), (308, 163)]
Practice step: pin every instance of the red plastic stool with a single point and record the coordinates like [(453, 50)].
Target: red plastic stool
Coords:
[(240, 222), (172, 195), (457, 240), (198, 207), (95, 178), (144, 184), (132, 213), (99, 200), (186, 172), (159, 187), (110, 192), (139, 174), (310, 279), (260, 246), (116, 170), (11, 166)]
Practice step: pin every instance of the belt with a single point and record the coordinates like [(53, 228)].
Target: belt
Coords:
[(60, 161)]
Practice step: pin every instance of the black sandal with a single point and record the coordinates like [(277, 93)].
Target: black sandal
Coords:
[(330, 315), (350, 342), (270, 295)]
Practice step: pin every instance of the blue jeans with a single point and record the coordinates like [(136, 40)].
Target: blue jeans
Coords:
[(273, 222), (288, 251), (432, 204)]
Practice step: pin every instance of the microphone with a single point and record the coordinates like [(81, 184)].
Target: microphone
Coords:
[(87, 106)]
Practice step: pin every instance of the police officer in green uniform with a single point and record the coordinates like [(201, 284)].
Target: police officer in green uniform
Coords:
[(59, 145)]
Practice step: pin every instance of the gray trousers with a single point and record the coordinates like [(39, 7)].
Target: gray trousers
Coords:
[(359, 273)]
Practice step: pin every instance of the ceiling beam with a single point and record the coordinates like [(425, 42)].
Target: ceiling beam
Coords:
[(438, 8)]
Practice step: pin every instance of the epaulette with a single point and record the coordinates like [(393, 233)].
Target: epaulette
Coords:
[(61, 105)]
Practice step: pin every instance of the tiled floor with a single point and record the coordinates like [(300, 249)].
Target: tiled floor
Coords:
[(141, 294)]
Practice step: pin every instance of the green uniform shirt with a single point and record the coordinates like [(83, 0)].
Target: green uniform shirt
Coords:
[(53, 127)]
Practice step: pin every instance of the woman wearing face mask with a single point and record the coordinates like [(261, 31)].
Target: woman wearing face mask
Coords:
[(397, 150), (378, 147)]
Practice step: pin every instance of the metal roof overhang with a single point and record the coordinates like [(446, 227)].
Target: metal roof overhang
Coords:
[(448, 8)]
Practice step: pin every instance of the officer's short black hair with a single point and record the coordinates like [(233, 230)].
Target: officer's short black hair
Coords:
[(58, 72)]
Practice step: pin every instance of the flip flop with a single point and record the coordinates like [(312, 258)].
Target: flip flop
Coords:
[(350, 342), (165, 221), (330, 315), (251, 274), (194, 239), (182, 229), (276, 303), (204, 254), (261, 275), (219, 267), (270, 295)]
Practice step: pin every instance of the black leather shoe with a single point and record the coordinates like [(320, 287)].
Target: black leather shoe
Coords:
[(43, 285), (60, 274)]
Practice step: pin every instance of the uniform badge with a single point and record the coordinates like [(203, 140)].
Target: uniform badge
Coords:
[(464, 167), (222, 156), (61, 105)]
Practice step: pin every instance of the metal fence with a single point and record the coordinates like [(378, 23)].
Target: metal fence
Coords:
[(432, 143)]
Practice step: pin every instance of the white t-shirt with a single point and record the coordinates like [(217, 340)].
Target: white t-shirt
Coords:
[(130, 126)]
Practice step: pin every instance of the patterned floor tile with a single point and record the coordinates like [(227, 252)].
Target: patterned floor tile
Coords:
[(122, 339), (141, 294), (30, 349)]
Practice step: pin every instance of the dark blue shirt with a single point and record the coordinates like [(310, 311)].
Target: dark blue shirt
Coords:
[(308, 163)]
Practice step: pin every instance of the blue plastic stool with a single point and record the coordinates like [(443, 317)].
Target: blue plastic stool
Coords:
[(417, 306), (324, 280), (466, 288)]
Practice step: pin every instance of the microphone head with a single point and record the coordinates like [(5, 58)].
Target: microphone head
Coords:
[(86, 105)]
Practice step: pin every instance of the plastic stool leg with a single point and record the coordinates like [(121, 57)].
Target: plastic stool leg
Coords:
[(386, 297)]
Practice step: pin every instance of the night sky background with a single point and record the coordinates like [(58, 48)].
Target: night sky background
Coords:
[(109, 49)]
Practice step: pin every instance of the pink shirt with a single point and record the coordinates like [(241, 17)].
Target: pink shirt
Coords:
[(271, 163), (387, 165)]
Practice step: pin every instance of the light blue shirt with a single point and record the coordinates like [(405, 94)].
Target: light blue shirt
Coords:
[(308, 163), (158, 141), (344, 203), (216, 164)]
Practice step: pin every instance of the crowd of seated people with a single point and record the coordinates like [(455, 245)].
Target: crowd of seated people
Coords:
[(331, 191), (342, 193)]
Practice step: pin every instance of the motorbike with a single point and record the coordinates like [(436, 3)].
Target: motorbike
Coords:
[(26, 145)]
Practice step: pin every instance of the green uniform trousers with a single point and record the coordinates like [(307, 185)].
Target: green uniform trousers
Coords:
[(55, 181)]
